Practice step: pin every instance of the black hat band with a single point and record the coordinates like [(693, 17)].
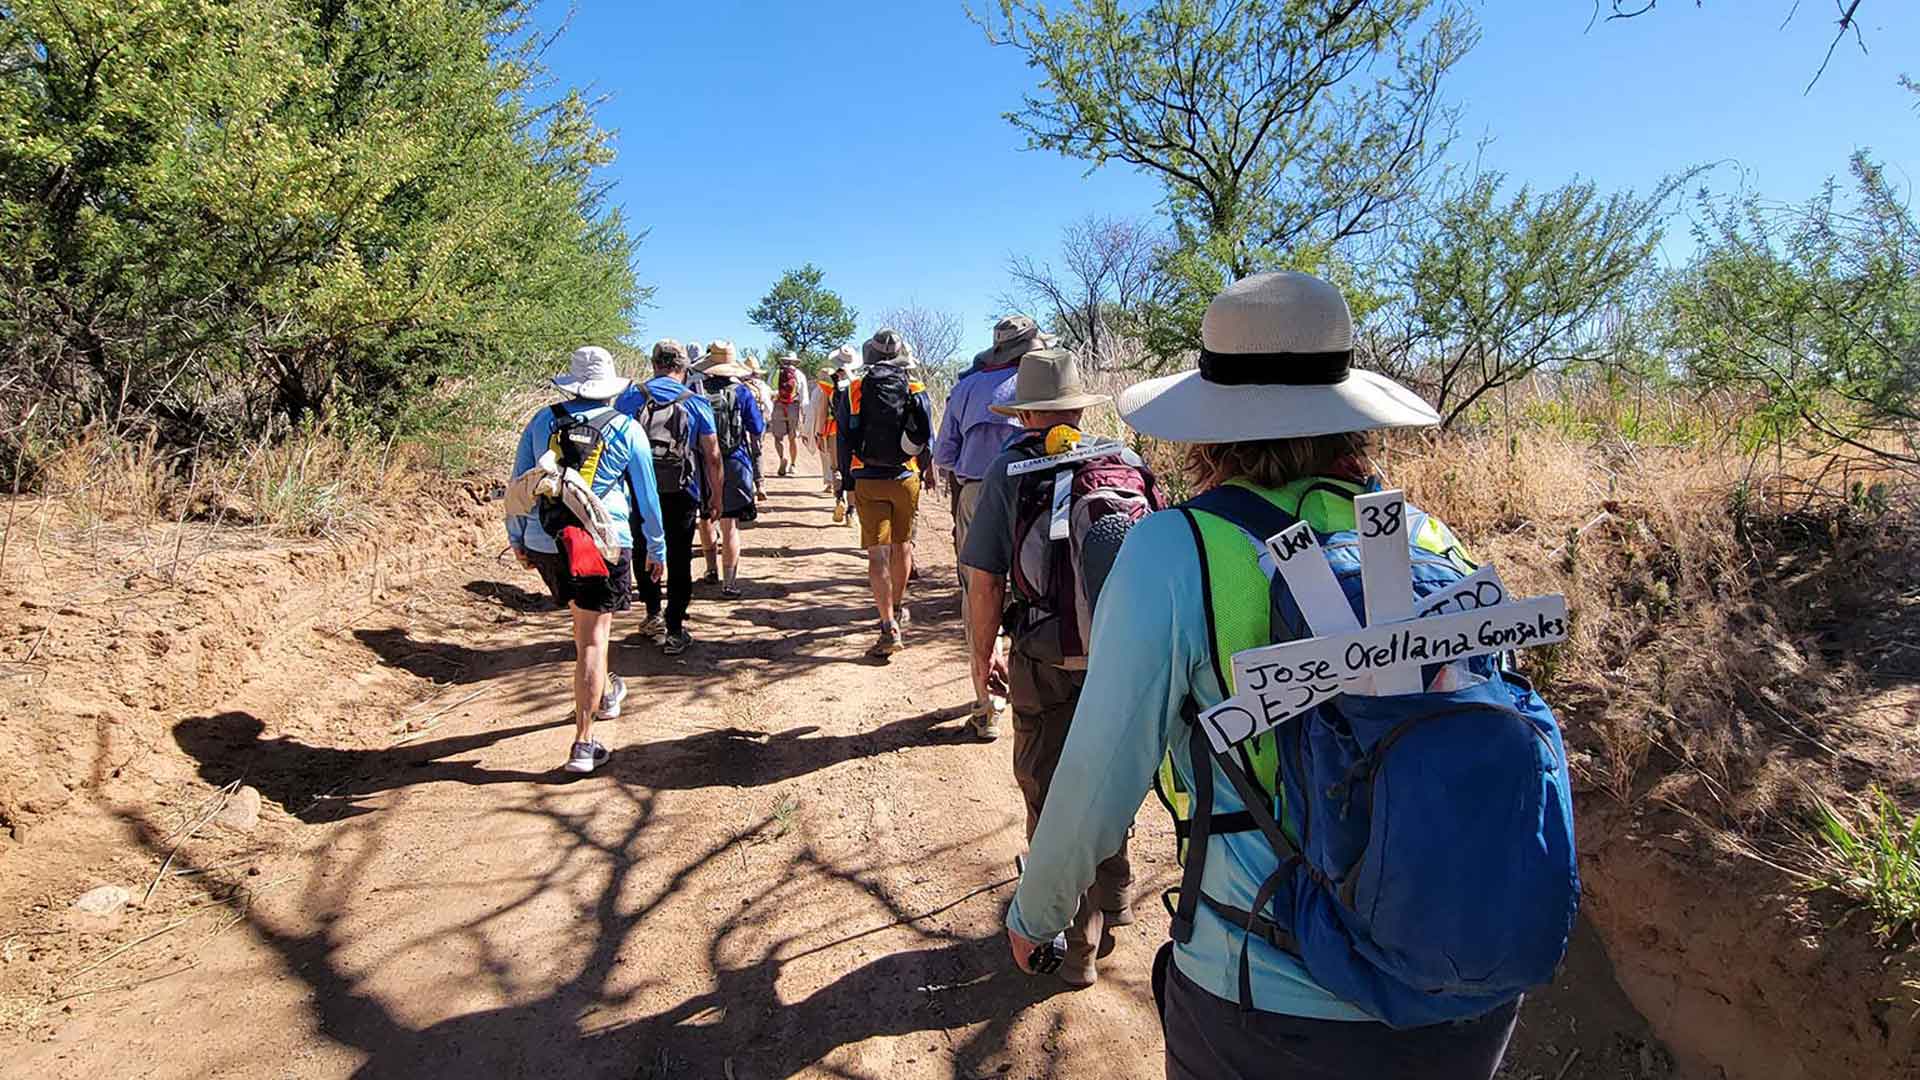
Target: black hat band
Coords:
[(1276, 369)]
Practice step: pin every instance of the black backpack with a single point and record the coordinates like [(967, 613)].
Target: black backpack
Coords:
[(578, 442), (885, 396), (729, 427), (670, 432)]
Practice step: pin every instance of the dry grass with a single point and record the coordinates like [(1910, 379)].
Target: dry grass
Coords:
[(1746, 614)]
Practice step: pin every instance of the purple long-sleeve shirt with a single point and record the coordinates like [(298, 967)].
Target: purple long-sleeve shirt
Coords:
[(971, 435)]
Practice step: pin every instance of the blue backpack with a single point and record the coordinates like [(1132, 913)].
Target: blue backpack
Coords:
[(1426, 866)]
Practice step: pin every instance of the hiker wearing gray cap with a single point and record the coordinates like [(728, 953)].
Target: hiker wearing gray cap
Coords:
[(1344, 912), (972, 434)]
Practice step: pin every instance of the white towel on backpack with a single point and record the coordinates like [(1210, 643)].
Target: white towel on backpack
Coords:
[(548, 480)]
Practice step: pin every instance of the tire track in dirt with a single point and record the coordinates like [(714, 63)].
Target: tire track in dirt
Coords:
[(795, 863)]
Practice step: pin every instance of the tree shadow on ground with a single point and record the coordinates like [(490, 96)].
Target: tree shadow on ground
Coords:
[(320, 784), (741, 1023)]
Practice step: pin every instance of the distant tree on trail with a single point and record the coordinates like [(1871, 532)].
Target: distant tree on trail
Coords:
[(933, 334), (1109, 285), (1278, 130), (1491, 289), (803, 316)]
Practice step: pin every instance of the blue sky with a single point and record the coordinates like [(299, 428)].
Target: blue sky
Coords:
[(867, 138)]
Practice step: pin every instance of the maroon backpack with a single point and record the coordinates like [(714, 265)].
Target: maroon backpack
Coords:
[(1069, 523)]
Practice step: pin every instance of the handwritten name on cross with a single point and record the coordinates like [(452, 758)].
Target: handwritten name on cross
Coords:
[(1473, 617)]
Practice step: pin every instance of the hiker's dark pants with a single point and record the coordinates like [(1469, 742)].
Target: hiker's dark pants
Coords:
[(1209, 1038), (1043, 698), (679, 514)]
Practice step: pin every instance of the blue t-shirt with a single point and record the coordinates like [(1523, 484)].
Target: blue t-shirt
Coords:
[(664, 389), (623, 482)]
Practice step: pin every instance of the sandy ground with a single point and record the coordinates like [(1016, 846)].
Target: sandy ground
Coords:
[(794, 865)]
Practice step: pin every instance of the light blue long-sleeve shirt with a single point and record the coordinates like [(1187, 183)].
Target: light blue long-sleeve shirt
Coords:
[(623, 482), (971, 433), (1149, 651)]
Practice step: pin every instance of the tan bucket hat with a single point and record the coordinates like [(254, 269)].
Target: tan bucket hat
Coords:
[(724, 362), (1276, 362), (1049, 381)]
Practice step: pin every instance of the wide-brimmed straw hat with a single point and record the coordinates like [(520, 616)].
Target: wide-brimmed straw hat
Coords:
[(1276, 362), (1049, 381), (723, 362), (592, 374)]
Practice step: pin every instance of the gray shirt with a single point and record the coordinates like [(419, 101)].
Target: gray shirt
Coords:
[(990, 539)]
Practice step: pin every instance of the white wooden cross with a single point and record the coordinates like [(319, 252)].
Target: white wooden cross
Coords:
[(1473, 617)]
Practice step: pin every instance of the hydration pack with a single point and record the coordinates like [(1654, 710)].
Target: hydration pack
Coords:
[(1069, 523), (729, 427), (670, 433), (884, 428), (578, 440), (1424, 862)]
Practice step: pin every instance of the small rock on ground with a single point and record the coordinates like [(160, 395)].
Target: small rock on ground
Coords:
[(105, 900), (242, 811)]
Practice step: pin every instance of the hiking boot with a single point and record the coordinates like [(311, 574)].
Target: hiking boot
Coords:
[(611, 701), (587, 756), (905, 615), (654, 628), (675, 644), (889, 642), (839, 511), (1120, 917), (731, 591), (712, 578), (1083, 947)]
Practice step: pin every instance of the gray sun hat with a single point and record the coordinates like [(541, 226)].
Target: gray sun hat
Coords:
[(592, 374), (1275, 363), (886, 346), (1013, 337), (1049, 381)]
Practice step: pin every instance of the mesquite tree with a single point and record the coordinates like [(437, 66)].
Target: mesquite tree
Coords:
[(1278, 129)]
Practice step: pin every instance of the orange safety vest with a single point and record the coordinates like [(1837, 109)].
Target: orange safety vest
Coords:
[(831, 425)]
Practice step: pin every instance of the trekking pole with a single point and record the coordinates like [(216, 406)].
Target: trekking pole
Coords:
[(1049, 955)]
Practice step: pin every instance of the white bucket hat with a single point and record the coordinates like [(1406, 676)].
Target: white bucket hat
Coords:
[(1275, 363), (593, 374)]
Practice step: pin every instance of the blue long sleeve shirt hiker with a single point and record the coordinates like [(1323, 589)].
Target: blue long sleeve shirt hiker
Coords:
[(1150, 650), (623, 483)]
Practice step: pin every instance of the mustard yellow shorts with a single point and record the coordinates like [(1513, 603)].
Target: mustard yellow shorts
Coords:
[(886, 509)]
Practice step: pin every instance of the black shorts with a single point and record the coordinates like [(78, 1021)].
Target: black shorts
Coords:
[(611, 593)]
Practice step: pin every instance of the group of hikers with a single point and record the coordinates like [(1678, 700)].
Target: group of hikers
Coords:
[(1309, 939)]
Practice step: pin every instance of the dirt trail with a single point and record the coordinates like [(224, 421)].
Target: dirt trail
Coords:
[(795, 863)]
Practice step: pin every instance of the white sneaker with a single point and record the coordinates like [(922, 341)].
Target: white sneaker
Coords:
[(615, 696), (586, 757)]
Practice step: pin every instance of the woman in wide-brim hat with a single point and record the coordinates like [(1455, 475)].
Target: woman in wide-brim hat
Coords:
[(740, 421), (1276, 408)]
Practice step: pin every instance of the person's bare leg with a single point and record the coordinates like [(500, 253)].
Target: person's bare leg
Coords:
[(706, 545), (591, 631), (901, 558), (880, 575), (730, 548)]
